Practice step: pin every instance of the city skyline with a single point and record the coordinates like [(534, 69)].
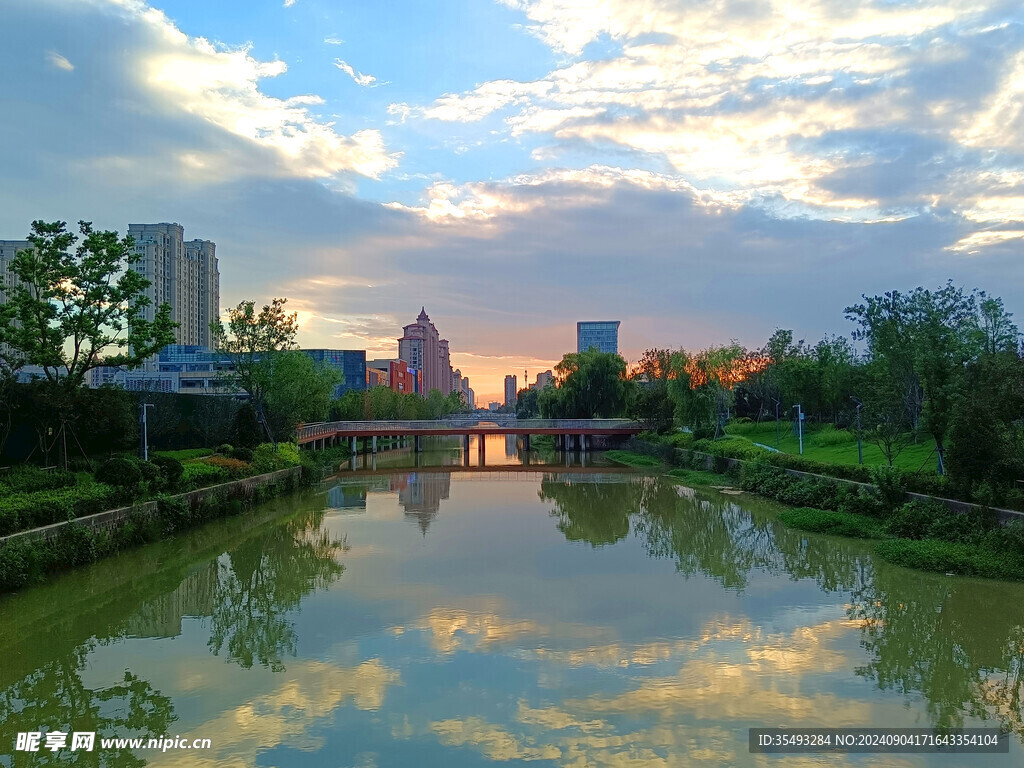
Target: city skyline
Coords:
[(687, 169)]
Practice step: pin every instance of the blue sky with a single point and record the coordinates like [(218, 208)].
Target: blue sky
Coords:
[(701, 170)]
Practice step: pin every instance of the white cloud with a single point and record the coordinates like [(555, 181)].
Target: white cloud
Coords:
[(358, 77), (289, 3), (333, 40), (59, 62)]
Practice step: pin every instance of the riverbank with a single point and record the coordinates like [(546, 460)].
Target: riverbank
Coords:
[(923, 534), (29, 557)]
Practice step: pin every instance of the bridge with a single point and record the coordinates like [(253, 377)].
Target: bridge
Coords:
[(570, 434)]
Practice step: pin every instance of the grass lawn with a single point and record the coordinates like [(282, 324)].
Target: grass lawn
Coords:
[(633, 459), (913, 458), (700, 477)]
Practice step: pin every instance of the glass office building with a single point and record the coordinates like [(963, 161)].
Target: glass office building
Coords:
[(351, 363), (602, 334)]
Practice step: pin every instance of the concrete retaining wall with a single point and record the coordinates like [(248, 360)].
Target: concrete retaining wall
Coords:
[(708, 462), (111, 518)]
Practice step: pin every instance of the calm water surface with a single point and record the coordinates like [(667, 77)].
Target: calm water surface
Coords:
[(550, 615)]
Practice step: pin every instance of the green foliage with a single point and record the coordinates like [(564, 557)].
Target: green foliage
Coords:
[(199, 475), (298, 390), (171, 469), (185, 454), (245, 428), (72, 307), (589, 385), (252, 341), (951, 557), (632, 459), (235, 468), (697, 477), (891, 485), (268, 459), (932, 520), (775, 483), (119, 472), (829, 435), (831, 522), (21, 511), (528, 403), (242, 454), (225, 448), (24, 562), (26, 479)]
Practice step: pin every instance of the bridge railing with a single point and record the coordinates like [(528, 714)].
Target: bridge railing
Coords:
[(322, 429)]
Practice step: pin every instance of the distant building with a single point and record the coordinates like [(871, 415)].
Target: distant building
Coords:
[(602, 334), (543, 379), (8, 250), (468, 393), (510, 390), (182, 274), (396, 374), (182, 368), (423, 349), (351, 363), (492, 406)]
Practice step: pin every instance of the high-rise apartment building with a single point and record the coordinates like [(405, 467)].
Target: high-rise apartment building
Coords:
[(468, 393), (601, 334), (422, 348), (510, 390), (8, 250), (183, 274), (543, 379)]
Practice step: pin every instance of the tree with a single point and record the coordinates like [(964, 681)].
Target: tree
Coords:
[(252, 341), (702, 386), (298, 390), (651, 403), (528, 403), (71, 312), (589, 384), (886, 414)]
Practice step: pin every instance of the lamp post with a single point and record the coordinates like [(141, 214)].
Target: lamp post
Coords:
[(144, 433), (800, 426), (860, 444)]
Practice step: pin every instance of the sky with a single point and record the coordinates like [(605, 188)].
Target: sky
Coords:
[(701, 170)]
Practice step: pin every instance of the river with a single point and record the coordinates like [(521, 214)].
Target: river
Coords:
[(519, 610)]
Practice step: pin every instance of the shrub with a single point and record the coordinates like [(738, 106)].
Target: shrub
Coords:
[(119, 472), (21, 511), (27, 479), (862, 501), (911, 520), (235, 468), (266, 459), (150, 472), (891, 486), (171, 468), (242, 454), (834, 523), (200, 474), (225, 449)]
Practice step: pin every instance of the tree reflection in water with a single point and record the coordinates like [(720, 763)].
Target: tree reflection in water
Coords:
[(263, 579), (248, 593), (958, 643), (54, 698)]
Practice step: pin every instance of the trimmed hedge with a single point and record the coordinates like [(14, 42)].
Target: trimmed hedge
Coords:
[(21, 511), (200, 474), (28, 479), (25, 562), (120, 472), (234, 467)]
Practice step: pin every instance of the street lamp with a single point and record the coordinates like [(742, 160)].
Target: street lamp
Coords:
[(144, 433), (800, 426), (860, 444)]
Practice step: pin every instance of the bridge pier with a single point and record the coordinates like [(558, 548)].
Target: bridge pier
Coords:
[(354, 447), (419, 443), (482, 450), (374, 444), (526, 442), (465, 443), (583, 443)]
